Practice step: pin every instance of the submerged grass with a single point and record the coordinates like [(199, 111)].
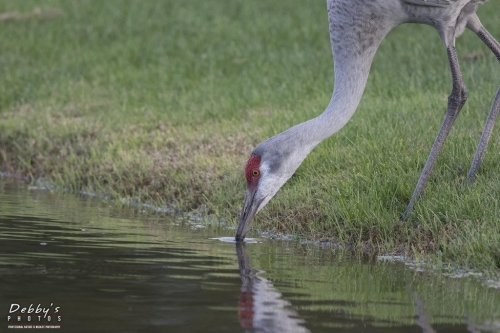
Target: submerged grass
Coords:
[(162, 101)]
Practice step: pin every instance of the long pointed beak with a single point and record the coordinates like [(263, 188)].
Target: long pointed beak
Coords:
[(250, 207)]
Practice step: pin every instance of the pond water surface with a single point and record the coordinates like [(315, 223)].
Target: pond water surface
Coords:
[(86, 265)]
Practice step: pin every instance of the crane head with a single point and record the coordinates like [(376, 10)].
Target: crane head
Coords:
[(269, 167), (255, 197), (264, 178)]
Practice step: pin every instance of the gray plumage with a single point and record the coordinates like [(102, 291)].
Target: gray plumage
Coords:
[(356, 29), (430, 3)]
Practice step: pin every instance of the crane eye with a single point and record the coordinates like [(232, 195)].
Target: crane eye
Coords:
[(255, 172)]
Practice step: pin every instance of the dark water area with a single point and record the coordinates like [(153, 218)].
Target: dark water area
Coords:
[(91, 266)]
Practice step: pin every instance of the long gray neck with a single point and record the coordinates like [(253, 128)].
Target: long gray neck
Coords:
[(355, 34), (353, 49), (351, 75)]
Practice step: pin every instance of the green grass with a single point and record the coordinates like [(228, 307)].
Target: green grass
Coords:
[(162, 101)]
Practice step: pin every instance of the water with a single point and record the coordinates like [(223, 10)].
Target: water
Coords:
[(96, 267)]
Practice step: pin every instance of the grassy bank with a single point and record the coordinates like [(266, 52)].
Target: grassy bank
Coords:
[(162, 101)]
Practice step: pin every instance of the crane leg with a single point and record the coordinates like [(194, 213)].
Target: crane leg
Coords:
[(456, 101), (494, 46)]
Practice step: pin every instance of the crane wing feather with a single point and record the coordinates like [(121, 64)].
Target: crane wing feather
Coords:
[(430, 3)]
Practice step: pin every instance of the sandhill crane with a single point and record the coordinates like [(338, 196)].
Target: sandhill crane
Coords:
[(356, 29)]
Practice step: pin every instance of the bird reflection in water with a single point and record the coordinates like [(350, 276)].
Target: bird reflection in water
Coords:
[(261, 307)]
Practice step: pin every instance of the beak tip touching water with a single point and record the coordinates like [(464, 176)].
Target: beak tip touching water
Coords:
[(250, 206), (243, 226)]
